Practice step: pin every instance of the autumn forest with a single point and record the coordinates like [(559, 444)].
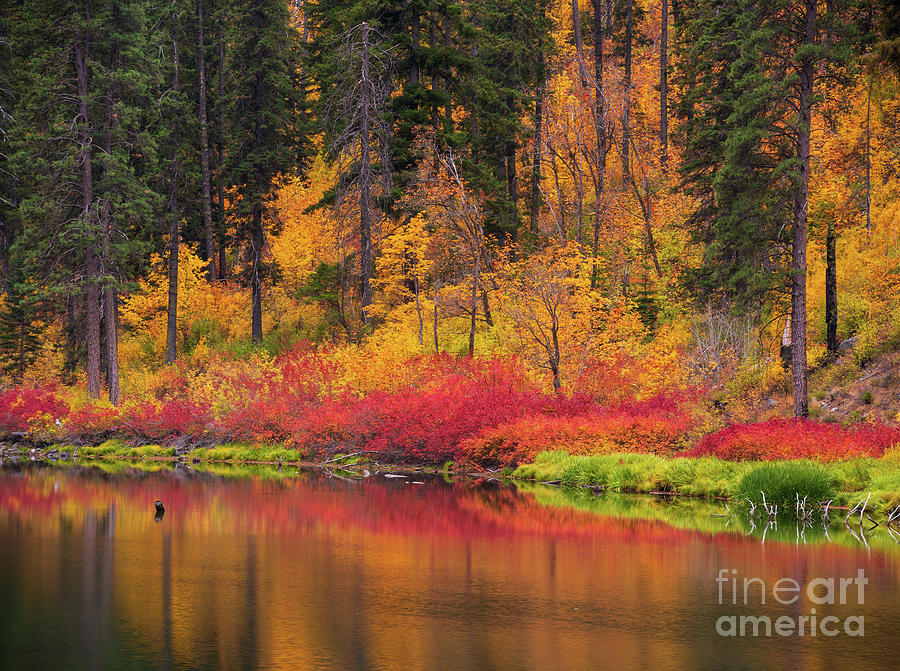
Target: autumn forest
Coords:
[(444, 230)]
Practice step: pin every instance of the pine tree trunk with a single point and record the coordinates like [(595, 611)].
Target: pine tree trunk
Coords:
[(800, 233), (220, 151), (434, 323), (831, 306), (869, 159), (205, 188), (174, 215), (664, 87), (538, 137), (365, 179), (419, 310), (600, 131), (110, 302), (92, 259), (512, 186), (473, 305), (110, 306), (560, 198), (256, 333), (626, 95)]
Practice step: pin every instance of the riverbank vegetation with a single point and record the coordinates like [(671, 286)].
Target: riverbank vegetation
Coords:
[(640, 239), (843, 483)]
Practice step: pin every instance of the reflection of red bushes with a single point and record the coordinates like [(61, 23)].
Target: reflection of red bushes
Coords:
[(797, 439), (19, 406)]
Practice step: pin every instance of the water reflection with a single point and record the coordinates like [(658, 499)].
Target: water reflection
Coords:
[(325, 573)]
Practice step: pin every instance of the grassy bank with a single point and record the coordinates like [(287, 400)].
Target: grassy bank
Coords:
[(843, 482)]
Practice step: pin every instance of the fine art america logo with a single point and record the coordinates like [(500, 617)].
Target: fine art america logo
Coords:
[(739, 591)]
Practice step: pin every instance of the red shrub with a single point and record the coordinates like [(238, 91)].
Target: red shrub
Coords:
[(163, 422), (598, 433), (92, 424), (797, 439), (21, 404)]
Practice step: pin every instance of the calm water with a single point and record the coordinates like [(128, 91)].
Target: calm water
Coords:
[(313, 572)]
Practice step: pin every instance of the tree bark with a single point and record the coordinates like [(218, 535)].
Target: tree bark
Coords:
[(600, 131), (256, 333), (220, 151), (110, 303), (664, 88), (174, 215), (418, 310), (204, 151), (473, 306), (538, 137), (868, 160), (626, 95), (434, 323), (800, 233), (92, 259), (831, 306), (365, 178)]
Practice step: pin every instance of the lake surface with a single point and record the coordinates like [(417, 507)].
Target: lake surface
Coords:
[(308, 571)]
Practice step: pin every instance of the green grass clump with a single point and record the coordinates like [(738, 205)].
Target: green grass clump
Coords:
[(782, 482)]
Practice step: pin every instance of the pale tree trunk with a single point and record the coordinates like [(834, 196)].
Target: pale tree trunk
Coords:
[(205, 188), (801, 198), (92, 259)]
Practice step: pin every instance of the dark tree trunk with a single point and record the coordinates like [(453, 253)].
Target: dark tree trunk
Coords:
[(473, 304), (365, 179), (172, 308), (204, 151), (109, 298), (800, 233), (92, 258), (256, 333), (220, 151), (664, 87), (434, 323), (512, 190), (831, 306), (538, 136), (868, 160), (626, 97), (600, 131)]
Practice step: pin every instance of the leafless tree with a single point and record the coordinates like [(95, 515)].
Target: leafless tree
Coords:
[(354, 120)]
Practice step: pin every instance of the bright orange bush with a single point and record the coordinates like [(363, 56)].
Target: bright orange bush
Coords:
[(638, 427)]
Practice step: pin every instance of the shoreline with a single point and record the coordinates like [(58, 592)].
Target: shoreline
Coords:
[(700, 478)]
